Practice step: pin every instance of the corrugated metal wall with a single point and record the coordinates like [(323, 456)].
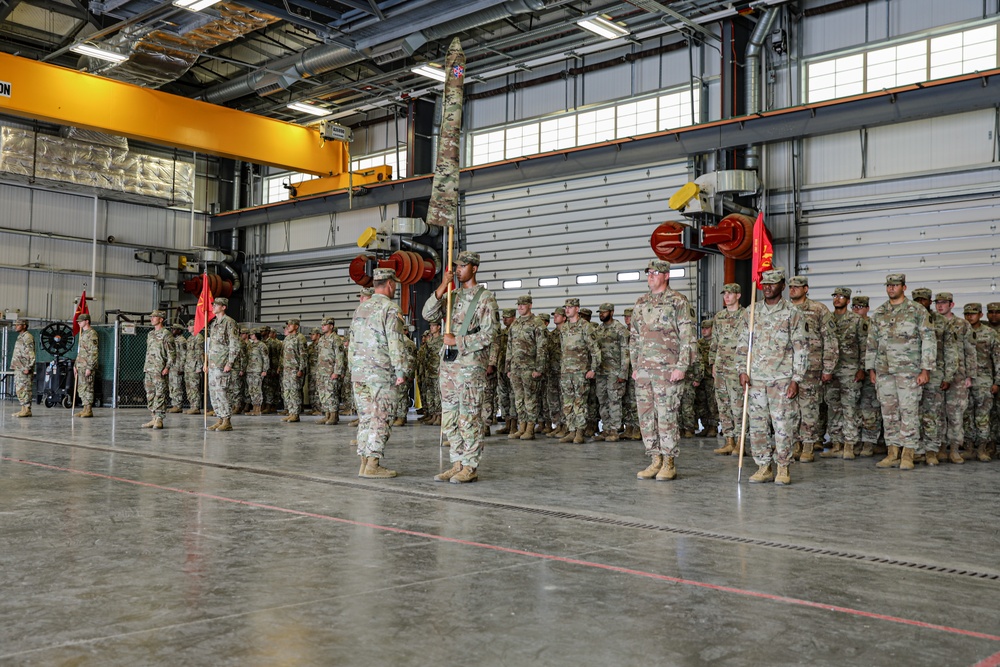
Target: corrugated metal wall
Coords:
[(565, 228), (308, 293)]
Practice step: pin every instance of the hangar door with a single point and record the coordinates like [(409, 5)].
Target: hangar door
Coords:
[(584, 237)]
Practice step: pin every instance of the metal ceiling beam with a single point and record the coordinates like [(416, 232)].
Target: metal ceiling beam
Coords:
[(59, 8), (6, 7), (907, 103)]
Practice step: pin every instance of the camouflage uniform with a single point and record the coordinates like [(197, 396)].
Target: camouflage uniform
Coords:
[(490, 404), (985, 373), (932, 419), (663, 340), (176, 377), (194, 369), (463, 380), (956, 399), (706, 407), (843, 394), (430, 388), (159, 355), (525, 356), (272, 383), (330, 361), (86, 360), (258, 361), (901, 344), (688, 421), (505, 395), (237, 389), (409, 370), (994, 308), (593, 409), (630, 415), (871, 409), (377, 361), (727, 365), (293, 362), (580, 354), (553, 374), (780, 357), (23, 359), (223, 348), (613, 340), (311, 355)]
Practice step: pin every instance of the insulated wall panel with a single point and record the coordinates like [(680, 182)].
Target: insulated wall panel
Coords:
[(308, 293)]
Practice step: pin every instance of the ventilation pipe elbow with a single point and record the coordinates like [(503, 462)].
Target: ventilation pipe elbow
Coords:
[(752, 78), (425, 250)]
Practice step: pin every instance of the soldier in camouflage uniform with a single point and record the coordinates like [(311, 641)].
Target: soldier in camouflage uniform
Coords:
[(525, 365), (430, 386), (223, 348), (823, 354), (159, 360), (985, 374), (409, 368), (613, 338), (706, 407), (272, 384), (331, 366), (505, 395), (22, 364), (993, 322), (687, 420), (490, 402), (871, 409), (900, 356), (258, 362), (553, 355), (293, 370), (313, 379), (473, 325), (85, 366), (956, 399), (593, 409), (544, 423), (176, 378), (729, 324), (238, 377), (580, 359), (194, 363), (377, 371), (630, 415), (941, 377), (779, 363), (843, 394), (662, 348)]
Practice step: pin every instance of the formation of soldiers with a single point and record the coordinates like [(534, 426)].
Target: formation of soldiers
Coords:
[(911, 380)]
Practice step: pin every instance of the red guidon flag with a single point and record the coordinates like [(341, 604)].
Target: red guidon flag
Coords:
[(81, 309), (763, 249), (203, 314)]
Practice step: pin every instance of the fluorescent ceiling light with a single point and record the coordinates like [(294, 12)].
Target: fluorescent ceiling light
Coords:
[(308, 108), (430, 71), (603, 27), (99, 53), (194, 5)]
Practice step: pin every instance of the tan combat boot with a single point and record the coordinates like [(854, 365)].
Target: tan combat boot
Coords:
[(374, 471), (449, 473), (174, 410), (654, 468), (158, 423), (579, 437), (867, 450), (256, 411), (954, 456), (216, 425), (521, 427), (210, 413), (192, 411), (546, 428), (364, 462), (764, 474), (835, 452), (464, 476), (86, 412), (506, 428), (559, 432), (400, 421), (687, 434), (982, 455), (891, 459), (150, 423), (636, 433), (226, 425), (600, 436), (931, 459), (807, 455), (906, 461), (611, 437), (849, 451), (529, 432), (486, 431), (334, 418), (796, 450), (782, 478), (728, 448), (325, 419), (568, 437), (290, 418), (590, 429), (668, 471)]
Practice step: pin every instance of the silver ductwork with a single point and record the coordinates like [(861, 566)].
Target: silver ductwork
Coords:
[(752, 78), (280, 74)]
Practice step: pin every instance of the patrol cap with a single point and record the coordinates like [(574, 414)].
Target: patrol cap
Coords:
[(524, 300), (559, 311), (572, 302), (176, 324), (221, 301), (606, 307), (948, 296), (860, 301), (293, 320), (772, 277), (385, 274), (628, 312), (661, 265), (367, 291), (468, 258), (434, 320), (21, 320), (509, 312), (329, 320), (83, 317), (921, 293), (586, 311), (732, 288), (895, 279), (545, 317), (798, 281), (973, 308), (158, 313), (315, 331), (993, 307), (842, 291), (707, 324)]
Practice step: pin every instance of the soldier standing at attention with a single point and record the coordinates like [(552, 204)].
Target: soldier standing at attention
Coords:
[(176, 377), (409, 369), (822, 362), (223, 348), (194, 360), (430, 390), (780, 360), (377, 371), (554, 370), (629, 414), (238, 385), (294, 366), (993, 322), (871, 410), (843, 395), (159, 359), (581, 357), (544, 424), (662, 348), (85, 366), (525, 364), (726, 364), (331, 365), (22, 363), (272, 385), (258, 362), (900, 356), (706, 407), (505, 396), (612, 338), (956, 398), (985, 380), (463, 379), (311, 354), (942, 376), (593, 409)]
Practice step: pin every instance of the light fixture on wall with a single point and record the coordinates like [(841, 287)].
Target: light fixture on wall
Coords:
[(599, 25), (99, 53), (430, 71), (305, 107), (194, 5)]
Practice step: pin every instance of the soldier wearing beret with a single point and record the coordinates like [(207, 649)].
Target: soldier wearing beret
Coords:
[(294, 367), (223, 348), (958, 339), (726, 364), (900, 356), (985, 374), (613, 340), (159, 359), (498, 360), (525, 364), (85, 366), (662, 348)]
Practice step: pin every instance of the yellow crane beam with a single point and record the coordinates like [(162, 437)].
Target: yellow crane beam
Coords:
[(45, 92)]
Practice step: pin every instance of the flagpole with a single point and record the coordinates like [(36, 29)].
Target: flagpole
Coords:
[(204, 379), (76, 380), (746, 389)]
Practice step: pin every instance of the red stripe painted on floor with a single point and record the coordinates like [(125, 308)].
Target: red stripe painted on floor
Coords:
[(992, 661)]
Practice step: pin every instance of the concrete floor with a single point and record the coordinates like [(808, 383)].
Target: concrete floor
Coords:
[(122, 546)]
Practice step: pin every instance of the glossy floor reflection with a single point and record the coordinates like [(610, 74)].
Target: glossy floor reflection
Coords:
[(123, 546)]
